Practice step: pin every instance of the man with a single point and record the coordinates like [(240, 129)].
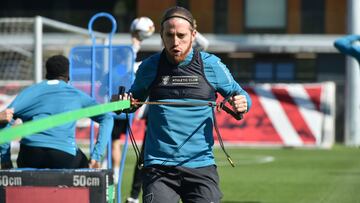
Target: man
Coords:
[(55, 147), (178, 158), (200, 44)]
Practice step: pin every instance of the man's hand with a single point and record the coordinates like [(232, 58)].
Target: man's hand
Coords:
[(239, 103), (125, 96), (94, 164), (6, 115)]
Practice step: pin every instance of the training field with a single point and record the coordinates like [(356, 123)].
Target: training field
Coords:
[(283, 175)]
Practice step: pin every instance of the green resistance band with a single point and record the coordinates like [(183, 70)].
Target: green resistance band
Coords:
[(28, 128)]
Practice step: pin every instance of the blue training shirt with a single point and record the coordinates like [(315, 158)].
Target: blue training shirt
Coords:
[(182, 135), (51, 97)]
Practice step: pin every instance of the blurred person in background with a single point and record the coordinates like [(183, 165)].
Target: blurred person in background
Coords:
[(141, 28)]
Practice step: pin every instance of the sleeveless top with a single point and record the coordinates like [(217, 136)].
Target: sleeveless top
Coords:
[(174, 82)]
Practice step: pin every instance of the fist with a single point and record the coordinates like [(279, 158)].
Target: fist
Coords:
[(239, 103)]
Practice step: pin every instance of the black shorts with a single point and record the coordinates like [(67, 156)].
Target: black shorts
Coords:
[(43, 157), (172, 183), (120, 127)]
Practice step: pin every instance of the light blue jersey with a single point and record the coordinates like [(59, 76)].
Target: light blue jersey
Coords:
[(49, 98), (182, 135)]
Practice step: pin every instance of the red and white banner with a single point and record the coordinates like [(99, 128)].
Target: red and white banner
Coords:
[(281, 115), (285, 115)]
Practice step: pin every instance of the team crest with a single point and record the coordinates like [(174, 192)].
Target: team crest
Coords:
[(165, 80)]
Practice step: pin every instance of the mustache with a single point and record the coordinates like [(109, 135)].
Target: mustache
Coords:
[(174, 47)]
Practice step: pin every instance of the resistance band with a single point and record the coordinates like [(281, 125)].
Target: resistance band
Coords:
[(219, 106), (28, 128)]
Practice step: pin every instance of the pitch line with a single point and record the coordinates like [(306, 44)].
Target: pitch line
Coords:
[(246, 160)]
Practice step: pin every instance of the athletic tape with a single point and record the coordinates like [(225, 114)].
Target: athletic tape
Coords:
[(28, 128)]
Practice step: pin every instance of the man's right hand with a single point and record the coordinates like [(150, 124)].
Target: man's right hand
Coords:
[(115, 98), (126, 96)]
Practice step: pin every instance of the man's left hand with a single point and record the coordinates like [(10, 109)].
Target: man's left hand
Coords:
[(239, 103)]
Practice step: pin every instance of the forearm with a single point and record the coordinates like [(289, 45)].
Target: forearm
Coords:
[(106, 124)]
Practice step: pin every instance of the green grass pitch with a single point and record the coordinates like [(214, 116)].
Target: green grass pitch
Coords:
[(281, 175)]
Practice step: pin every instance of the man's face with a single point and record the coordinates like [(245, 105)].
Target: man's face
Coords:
[(177, 36)]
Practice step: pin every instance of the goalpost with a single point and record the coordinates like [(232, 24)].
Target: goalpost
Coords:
[(25, 43), (16, 52)]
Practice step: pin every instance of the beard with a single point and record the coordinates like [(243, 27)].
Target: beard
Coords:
[(176, 59)]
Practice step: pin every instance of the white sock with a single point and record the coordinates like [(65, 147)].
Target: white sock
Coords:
[(116, 175)]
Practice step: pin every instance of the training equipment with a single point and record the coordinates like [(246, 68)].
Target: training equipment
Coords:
[(143, 26), (56, 185), (290, 115), (99, 70), (304, 116), (32, 127)]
